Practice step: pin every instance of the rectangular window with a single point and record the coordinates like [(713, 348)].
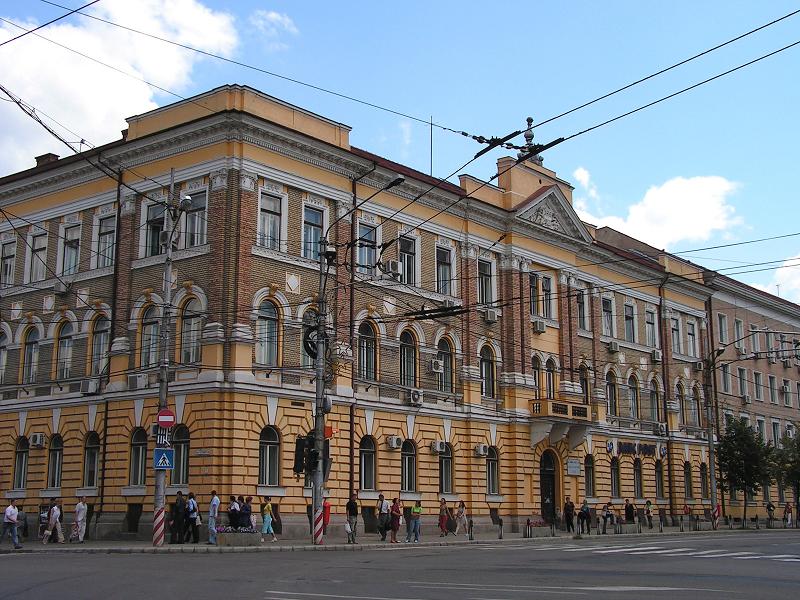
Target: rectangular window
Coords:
[(738, 333), (742, 377), (71, 251), (485, 292), (38, 269), (580, 297), (155, 225), (269, 224), (769, 346), (444, 272), (722, 324), (107, 229), (762, 428), (773, 389), (776, 434), (547, 298), (756, 339), (726, 378), (367, 249), (675, 330), (758, 385), (408, 260), (533, 282), (9, 253), (786, 390), (196, 221), (312, 232), (691, 340), (650, 328), (630, 330), (608, 317)]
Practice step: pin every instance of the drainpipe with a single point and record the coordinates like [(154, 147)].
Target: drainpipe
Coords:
[(570, 331), (712, 376), (522, 315), (667, 390)]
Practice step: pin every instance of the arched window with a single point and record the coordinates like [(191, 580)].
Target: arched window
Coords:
[(138, 457), (550, 379), (191, 330), (267, 335), (536, 372), (30, 366), (637, 478), (697, 408), (492, 471), (91, 458), (659, 474), (704, 480), (367, 352), (687, 480), (680, 398), (64, 351), (180, 443), (366, 453), (615, 493), (55, 461), (583, 374), (408, 360), (309, 325), (444, 380), (21, 463), (269, 458), (654, 400), (588, 476), (3, 356), (100, 337), (633, 398), (446, 470), (487, 366), (150, 337), (611, 393), (408, 467)]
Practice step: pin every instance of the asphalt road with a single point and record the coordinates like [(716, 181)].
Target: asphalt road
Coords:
[(759, 565)]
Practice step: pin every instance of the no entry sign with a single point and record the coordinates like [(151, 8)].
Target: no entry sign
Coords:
[(166, 418)]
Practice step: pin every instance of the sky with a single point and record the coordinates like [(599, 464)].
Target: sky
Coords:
[(715, 166)]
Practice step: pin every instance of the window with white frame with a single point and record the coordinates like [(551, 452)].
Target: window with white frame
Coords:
[(367, 248), (269, 221), (71, 250), (758, 385), (533, 281), (149, 338), (154, 226), (738, 333), (580, 297), (756, 339), (776, 434), (725, 371), (608, 316), (691, 339), (38, 256), (106, 241), (407, 252), (761, 428), (547, 297), (101, 331), (30, 365), (722, 325), (485, 289), (786, 391), (650, 328), (773, 389), (8, 258), (195, 220), (630, 325), (64, 351), (312, 232), (191, 330), (675, 331), (444, 271), (742, 378), (770, 341)]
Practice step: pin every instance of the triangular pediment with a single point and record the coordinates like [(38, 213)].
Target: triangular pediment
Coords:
[(549, 209)]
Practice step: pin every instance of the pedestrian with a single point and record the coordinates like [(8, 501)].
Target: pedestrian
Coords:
[(233, 512), (443, 517), (648, 513), (246, 518), (770, 513), (80, 518), (584, 517), (461, 518), (396, 514), (192, 520), (569, 514), (213, 514), (687, 512), (415, 517), (352, 518), (53, 523), (178, 519), (630, 512), (383, 509), (608, 515), (266, 520), (787, 514), (10, 520)]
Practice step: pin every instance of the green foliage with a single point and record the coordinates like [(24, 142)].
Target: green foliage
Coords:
[(787, 462)]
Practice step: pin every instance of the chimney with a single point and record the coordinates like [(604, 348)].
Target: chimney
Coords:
[(46, 158)]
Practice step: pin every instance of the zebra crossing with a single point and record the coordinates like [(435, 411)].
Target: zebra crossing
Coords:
[(655, 550)]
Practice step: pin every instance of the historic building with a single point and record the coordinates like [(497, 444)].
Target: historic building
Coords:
[(574, 366)]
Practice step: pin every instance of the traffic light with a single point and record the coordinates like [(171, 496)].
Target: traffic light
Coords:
[(300, 450)]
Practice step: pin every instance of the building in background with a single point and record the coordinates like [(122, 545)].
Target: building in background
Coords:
[(576, 367)]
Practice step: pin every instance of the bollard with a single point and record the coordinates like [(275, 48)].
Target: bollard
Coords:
[(696, 523), (639, 527), (660, 525), (500, 529), (471, 536), (528, 529), (680, 524), (730, 523), (757, 522), (552, 530)]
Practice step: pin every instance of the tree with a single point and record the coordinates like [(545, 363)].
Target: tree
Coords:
[(745, 461), (787, 464)]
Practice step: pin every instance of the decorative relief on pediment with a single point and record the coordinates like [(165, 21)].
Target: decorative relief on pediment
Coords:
[(546, 217)]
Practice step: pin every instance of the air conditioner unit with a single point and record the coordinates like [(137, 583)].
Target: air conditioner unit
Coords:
[(660, 429), (698, 366), (482, 450), (89, 386), (746, 399), (447, 303), (787, 389), (787, 363), (656, 355), (392, 268), (773, 358), (37, 440), (414, 397), (613, 346), (491, 315), (138, 381), (539, 326), (60, 287), (741, 350), (437, 366), (394, 442), (438, 446)]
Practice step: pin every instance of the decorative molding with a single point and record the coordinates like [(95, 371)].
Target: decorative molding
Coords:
[(219, 179), (248, 181)]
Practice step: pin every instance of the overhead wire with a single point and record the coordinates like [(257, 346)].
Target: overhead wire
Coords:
[(50, 22)]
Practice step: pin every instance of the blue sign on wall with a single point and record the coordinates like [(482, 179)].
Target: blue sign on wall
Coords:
[(164, 459)]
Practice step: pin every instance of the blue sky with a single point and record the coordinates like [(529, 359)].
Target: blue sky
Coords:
[(713, 166)]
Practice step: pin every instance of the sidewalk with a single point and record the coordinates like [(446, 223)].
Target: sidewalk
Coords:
[(337, 543)]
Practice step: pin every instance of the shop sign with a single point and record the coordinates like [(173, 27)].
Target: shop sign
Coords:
[(636, 448)]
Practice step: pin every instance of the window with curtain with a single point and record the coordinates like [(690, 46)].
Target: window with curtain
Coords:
[(367, 352), (269, 446), (101, 331), (191, 331), (30, 365), (492, 471), (366, 454), (487, 369), (681, 400), (91, 459), (64, 351), (633, 397), (408, 467), (150, 338), (180, 442), (611, 393), (408, 360), (550, 379), (444, 379), (267, 335), (21, 463), (536, 372), (55, 461), (446, 470), (654, 400), (138, 457)]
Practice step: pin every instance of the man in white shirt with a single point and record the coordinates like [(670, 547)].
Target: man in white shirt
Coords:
[(10, 524), (383, 516), (53, 523), (213, 512), (80, 518)]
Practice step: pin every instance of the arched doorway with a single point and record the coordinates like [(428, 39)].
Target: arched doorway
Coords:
[(548, 485)]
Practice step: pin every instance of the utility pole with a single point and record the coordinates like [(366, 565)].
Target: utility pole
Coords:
[(711, 366)]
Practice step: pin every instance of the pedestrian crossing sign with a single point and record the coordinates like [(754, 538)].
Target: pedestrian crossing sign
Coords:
[(164, 459)]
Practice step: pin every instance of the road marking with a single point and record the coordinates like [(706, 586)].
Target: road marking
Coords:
[(589, 548), (317, 595), (788, 559), (701, 553), (668, 550), (724, 554), (773, 556), (627, 549)]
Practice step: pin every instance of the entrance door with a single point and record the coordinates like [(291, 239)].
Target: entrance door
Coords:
[(547, 485)]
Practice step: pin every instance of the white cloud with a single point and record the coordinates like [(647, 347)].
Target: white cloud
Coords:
[(87, 97), (405, 137), (273, 25), (785, 280), (584, 178), (679, 210)]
